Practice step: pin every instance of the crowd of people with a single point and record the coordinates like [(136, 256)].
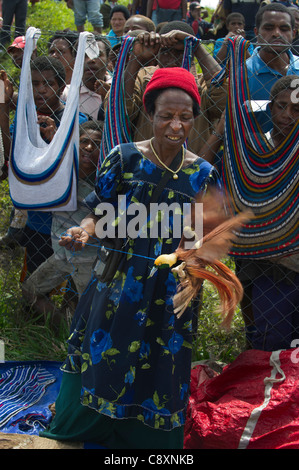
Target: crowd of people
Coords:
[(129, 356)]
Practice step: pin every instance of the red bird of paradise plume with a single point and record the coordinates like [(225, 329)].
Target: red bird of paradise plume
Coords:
[(202, 261)]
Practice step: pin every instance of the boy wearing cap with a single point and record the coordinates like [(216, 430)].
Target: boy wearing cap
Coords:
[(199, 26), (16, 51)]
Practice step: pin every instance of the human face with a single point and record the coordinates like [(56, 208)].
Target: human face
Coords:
[(284, 112), (61, 50), (46, 91), (275, 33), (196, 13), (170, 57), (173, 118), (135, 23), (89, 144), (17, 56), (235, 25), (95, 69), (118, 22)]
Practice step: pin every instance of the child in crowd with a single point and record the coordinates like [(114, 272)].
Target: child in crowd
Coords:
[(235, 24)]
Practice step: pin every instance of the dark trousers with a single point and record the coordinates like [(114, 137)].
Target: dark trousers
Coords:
[(10, 9), (38, 248)]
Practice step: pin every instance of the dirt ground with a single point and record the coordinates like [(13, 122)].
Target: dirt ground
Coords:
[(26, 441)]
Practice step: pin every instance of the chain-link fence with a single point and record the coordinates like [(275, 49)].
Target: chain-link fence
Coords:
[(37, 280)]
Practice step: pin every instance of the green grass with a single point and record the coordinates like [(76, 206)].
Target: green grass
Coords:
[(27, 341), (213, 341)]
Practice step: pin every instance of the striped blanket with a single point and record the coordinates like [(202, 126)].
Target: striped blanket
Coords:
[(25, 395)]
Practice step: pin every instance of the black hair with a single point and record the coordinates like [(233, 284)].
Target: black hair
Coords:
[(285, 83), (105, 41), (160, 26), (273, 7), (179, 25), (120, 9), (233, 16), (45, 62), (151, 97), (93, 125), (71, 37)]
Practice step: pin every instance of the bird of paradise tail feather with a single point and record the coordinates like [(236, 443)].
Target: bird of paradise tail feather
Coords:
[(202, 261)]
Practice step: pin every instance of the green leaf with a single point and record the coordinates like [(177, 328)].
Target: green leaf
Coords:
[(190, 171), (146, 366), (156, 399), (121, 393), (134, 346), (108, 314), (160, 341), (112, 352)]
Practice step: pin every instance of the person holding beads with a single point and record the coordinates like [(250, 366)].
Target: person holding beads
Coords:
[(126, 378)]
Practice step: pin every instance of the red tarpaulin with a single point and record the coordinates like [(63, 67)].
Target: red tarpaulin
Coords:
[(252, 404)]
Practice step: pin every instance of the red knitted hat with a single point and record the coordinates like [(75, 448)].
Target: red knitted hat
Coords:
[(173, 77)]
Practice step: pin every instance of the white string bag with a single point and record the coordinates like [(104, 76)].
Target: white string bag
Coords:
[(43, 176)]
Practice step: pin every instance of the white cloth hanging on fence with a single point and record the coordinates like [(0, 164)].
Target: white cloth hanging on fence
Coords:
[(43, 176)]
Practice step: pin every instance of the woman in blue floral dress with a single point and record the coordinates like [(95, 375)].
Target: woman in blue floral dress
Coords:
[(126, 377)]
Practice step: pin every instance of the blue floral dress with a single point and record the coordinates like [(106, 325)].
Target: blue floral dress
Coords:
[(133, 354)]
